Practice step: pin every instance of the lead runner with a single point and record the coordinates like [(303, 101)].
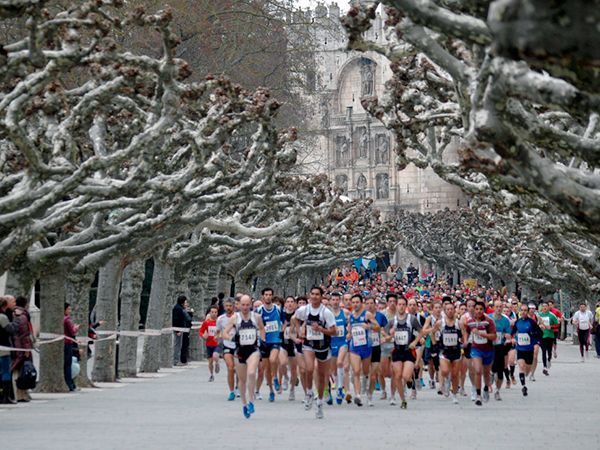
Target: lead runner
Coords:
[(318, 327)]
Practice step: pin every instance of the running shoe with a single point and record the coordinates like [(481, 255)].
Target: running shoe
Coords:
[(217, 367), (251, 408), (549, 364), (258, 395), (478, 401), (237, 393), (231, 397), (454, 399), (393, 401), (271, 397), (486, 396), (308, 402), (545, 372), (383, 395), (211, 378), (431, 384), (339, 397), (276, 384), (473, 394), (497, 396), (532, 378), (292, 396), (245, 412), (285, 384), (403, 405), (524, 391), (370, 401), (413, 395), (319, 412), (377, 386), (358, 401), (329, 399), (348, 398)]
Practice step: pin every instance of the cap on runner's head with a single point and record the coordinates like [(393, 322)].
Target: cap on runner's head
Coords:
[(531, 306)]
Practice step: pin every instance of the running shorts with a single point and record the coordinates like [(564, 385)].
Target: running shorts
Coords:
[(376, 354), (487, 357), (526, 356)]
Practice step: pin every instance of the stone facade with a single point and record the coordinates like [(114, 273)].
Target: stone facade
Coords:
[(354, 148)]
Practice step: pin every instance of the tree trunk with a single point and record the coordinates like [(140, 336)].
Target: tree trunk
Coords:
[(455, 277), (158, 292), (166, 340), (78, 295), (109, 280), (52, 301), (131, 290), (19, 283), (196, 294)]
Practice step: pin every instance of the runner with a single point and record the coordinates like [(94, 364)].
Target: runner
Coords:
[(298, 347), (248, 328), (557, 328), (269, 348), (525, 330), (319, 326), (503, 333), (208, 332), (483, 332), (406, 330), (375, 336), (339, 346), (227, 346), (449, 333), (387, 345), (359, 324), (467, 314), (582, 322), (537, 340), (431, 355), (287, 353), (414, 308), (549, 321)]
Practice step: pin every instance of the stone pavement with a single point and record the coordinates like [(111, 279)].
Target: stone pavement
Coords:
[(178, 408)]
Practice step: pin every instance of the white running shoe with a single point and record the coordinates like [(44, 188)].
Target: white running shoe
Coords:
[(497, 396), (308, 401), (292, 396), (370, 402), (454, 399), (319, 412), (393, 401), (258, 396), (285, 384), (473, 394), (217, 367)]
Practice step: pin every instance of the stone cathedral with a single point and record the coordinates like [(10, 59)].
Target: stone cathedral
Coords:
[(356, 150)]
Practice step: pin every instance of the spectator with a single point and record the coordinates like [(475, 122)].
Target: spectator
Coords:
[(221, 297), (411, 273), (23, 338), (7, 330), (185, 343), (178, 321), (70, 347), (597, 330)]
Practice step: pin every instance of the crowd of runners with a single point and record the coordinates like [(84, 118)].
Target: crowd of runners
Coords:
[(351, 340)]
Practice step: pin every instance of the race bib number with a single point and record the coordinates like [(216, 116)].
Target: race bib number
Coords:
[(523, 339), (247, 336), (498, 340), (341, 331), (312, 335), (375, 339), (212, 331), (477, 339), (546, 321), (584, 324), (359, 336), (286, 333), (272, 327), (450, 339), (401, 337)]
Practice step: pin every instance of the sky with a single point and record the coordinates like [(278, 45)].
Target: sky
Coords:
[(312, 3)]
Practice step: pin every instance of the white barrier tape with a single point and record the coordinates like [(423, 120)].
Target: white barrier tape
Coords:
[(49, 338)]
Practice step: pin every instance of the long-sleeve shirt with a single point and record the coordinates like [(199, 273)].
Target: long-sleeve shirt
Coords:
[(69, 330)]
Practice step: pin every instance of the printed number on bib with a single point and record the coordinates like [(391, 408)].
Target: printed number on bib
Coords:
[(401, 337), (312, 335), (272, 327), (359, 336), (523, 339), (212, 331), (375, 339), (450, 339), (546, 321), (477, 339), (247, 336), (341, 331)]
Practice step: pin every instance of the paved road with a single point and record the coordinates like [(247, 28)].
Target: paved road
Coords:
[(179, 408)]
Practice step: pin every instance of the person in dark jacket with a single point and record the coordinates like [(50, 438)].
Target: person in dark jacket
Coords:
[(8, 327), (23, 338), (70, 346), (178, 320), (185, 343)]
